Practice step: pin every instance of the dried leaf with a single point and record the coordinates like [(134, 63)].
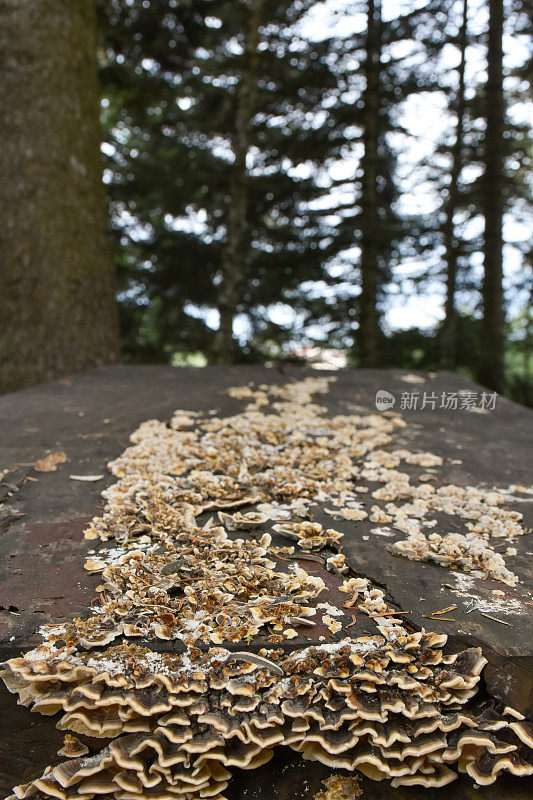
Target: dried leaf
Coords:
[(49, 463)]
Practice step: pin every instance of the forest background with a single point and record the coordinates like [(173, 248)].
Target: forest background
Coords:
[(344, 181)]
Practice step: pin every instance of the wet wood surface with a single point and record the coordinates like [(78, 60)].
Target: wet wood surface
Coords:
[(90, 417)]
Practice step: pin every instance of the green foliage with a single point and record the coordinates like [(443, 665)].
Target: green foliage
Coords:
[(169, 73)]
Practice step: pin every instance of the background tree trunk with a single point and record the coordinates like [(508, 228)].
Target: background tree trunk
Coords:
[(492, 344), (449, 328), (56, 291), (233, 256), (368, 299)]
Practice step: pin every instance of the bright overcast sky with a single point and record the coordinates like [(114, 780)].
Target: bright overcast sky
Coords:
[(426, 119)]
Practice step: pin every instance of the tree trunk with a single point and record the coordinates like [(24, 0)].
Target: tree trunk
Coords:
[(56, 293), (492, 344), (368, 299), (233, 256), (448, 338)]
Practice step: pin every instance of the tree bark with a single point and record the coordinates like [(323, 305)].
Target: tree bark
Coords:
[(233, 256), (368, 311), (448, 337), (56, 291), (492, 344)]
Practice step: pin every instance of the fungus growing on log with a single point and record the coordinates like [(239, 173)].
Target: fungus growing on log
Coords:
[(345, 705), (393, 705)]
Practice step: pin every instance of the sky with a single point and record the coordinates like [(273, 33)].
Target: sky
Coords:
[(426, 119)]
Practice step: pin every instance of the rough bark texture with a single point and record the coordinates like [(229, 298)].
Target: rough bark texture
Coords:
[(232, 259), (368, 312), (492, 367), (56, 293), (449, 327)]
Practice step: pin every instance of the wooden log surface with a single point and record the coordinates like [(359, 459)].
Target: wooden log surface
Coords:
[(90, 417)]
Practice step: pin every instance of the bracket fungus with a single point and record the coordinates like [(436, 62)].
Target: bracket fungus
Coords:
[(393, 706)]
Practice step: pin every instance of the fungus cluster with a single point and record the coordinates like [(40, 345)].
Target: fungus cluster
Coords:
[(484, 519), (395, 708), (309, 535), (466, 552), (284, 456), (198, 584), (393, 705)]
